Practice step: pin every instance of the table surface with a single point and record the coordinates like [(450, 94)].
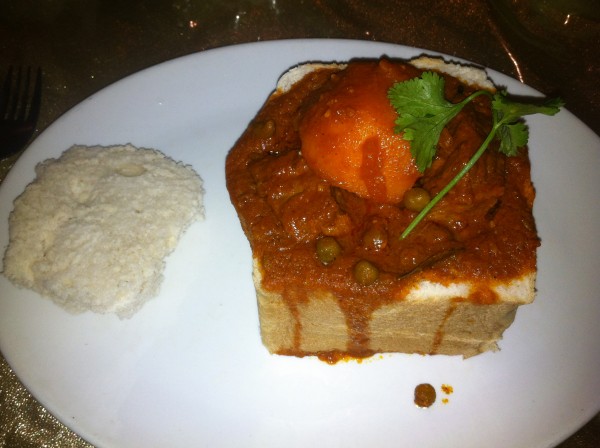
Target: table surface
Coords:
[(83, 46)]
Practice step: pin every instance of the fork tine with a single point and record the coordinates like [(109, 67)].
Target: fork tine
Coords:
[(16, 97), (21, 109), (4, 94), (36, 101)]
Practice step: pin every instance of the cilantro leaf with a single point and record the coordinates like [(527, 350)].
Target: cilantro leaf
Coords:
[(512, 137), (423, 112), (508, 110), (420, 97), (512, 132)]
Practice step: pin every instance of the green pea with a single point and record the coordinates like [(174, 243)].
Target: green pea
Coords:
[(365, 273), (328, 249), (416, 199)]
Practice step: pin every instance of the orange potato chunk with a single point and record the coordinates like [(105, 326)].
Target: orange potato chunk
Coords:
[(348, 135)]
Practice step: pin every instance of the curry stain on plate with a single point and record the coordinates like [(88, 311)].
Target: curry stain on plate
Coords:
[(424, 395), (448, 390)]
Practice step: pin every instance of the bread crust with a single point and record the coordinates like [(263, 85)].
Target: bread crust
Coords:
[(470, 75)]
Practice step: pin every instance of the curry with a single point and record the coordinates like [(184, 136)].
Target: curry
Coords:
[(335, 221)]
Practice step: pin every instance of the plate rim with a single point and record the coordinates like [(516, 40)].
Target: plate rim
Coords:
[(179, 60)]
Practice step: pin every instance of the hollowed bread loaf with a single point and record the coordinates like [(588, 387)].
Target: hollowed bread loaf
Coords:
[(452, 286)]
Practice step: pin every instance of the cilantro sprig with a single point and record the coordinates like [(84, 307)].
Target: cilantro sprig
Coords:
[(423, 112)]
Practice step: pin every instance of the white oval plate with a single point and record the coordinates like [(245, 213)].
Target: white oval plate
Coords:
[(189, 369)]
